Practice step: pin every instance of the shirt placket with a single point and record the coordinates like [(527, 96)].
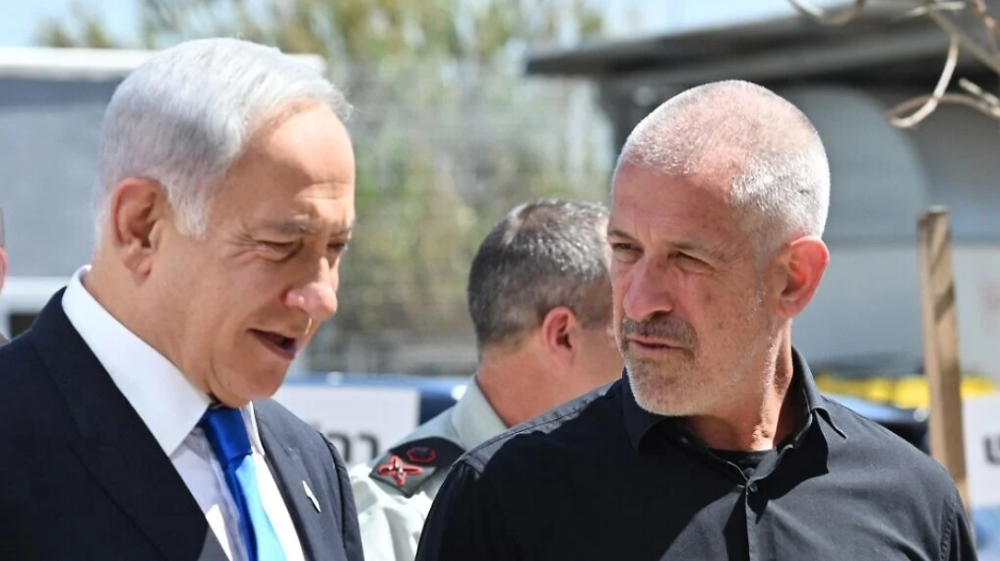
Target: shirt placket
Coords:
[(755, 498), (750, 486), (753, 506)]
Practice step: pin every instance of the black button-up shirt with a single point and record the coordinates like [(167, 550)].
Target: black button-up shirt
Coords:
[(601, 478)]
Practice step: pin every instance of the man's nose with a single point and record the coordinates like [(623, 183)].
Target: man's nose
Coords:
[(318, 296), (646, 292)]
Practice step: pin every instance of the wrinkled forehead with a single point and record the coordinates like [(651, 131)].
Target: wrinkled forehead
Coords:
[(647, 202), (672, 201), (638, 181)]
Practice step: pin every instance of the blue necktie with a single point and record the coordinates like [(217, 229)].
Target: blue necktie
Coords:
[(227, 434)]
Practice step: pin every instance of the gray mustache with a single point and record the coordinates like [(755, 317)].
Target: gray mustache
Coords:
[(661, 326)]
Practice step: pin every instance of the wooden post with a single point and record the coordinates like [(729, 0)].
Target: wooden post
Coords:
[(941, 362)]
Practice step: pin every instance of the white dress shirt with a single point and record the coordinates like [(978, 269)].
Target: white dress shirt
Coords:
[(171, 407)]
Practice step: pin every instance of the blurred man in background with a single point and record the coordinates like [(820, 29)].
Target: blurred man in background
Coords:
[(540, 300), (135, 416)]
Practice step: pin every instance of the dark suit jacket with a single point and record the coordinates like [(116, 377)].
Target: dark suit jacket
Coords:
[(81, 477)]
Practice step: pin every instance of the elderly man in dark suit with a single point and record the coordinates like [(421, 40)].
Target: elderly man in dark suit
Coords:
[(135, 418)]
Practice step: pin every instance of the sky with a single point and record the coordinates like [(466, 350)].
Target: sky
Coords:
[(21, 19)]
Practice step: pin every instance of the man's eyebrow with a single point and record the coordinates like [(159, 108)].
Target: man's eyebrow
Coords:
[(685, 245), (302, 227), (290, 227), (345, 231), (703, 249), (615, 232)]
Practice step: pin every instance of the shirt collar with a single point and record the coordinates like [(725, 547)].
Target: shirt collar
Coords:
[(250, 420), (168, 404), (474, 419), (814, 399), (638, 421)]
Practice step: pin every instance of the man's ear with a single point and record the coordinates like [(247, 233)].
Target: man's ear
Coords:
[(3, 267), (558, 330), (139, 210), (803, 263)]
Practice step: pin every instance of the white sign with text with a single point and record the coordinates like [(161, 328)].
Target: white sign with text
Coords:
[(981, 416), (363, 422)]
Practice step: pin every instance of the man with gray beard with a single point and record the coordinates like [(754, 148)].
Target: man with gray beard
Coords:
[(716, 443)]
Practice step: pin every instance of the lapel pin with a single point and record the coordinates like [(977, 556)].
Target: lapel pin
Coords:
[(309, 493)]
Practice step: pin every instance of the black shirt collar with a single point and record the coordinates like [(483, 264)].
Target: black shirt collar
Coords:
[(638, 421)]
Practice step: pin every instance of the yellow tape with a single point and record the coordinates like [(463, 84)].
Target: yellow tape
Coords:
[(908, 392)]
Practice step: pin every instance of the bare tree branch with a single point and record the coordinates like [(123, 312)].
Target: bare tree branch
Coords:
[(968, 43), (955, 99), (975, 90), (932, 101), (961, 41), (828, 17), (978, 7), (935, 7)]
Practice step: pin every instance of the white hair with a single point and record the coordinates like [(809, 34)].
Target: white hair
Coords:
[(745, 133), (187, 114)]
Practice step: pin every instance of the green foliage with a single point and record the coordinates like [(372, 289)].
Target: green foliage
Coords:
[(448, 136), (87, 30)]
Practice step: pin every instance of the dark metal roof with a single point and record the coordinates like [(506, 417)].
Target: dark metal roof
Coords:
[(878, 46)]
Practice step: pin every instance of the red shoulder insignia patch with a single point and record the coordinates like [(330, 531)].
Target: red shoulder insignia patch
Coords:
[(398, 470), (407, 466)]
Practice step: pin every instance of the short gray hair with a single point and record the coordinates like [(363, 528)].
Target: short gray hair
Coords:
[(781, 182), (543, 254), (187, 114)]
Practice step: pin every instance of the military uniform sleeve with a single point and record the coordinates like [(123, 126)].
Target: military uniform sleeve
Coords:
[(390, 526), (349, 514), (466, 522), (957, 543)]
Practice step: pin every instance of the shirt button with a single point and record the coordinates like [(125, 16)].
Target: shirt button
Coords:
[(752, 487)]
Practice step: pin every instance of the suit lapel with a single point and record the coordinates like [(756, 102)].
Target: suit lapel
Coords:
[(288, 468), (157, 501), (117, 448)]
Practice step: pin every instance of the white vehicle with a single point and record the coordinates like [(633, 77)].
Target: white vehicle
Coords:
[(22, 299)]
